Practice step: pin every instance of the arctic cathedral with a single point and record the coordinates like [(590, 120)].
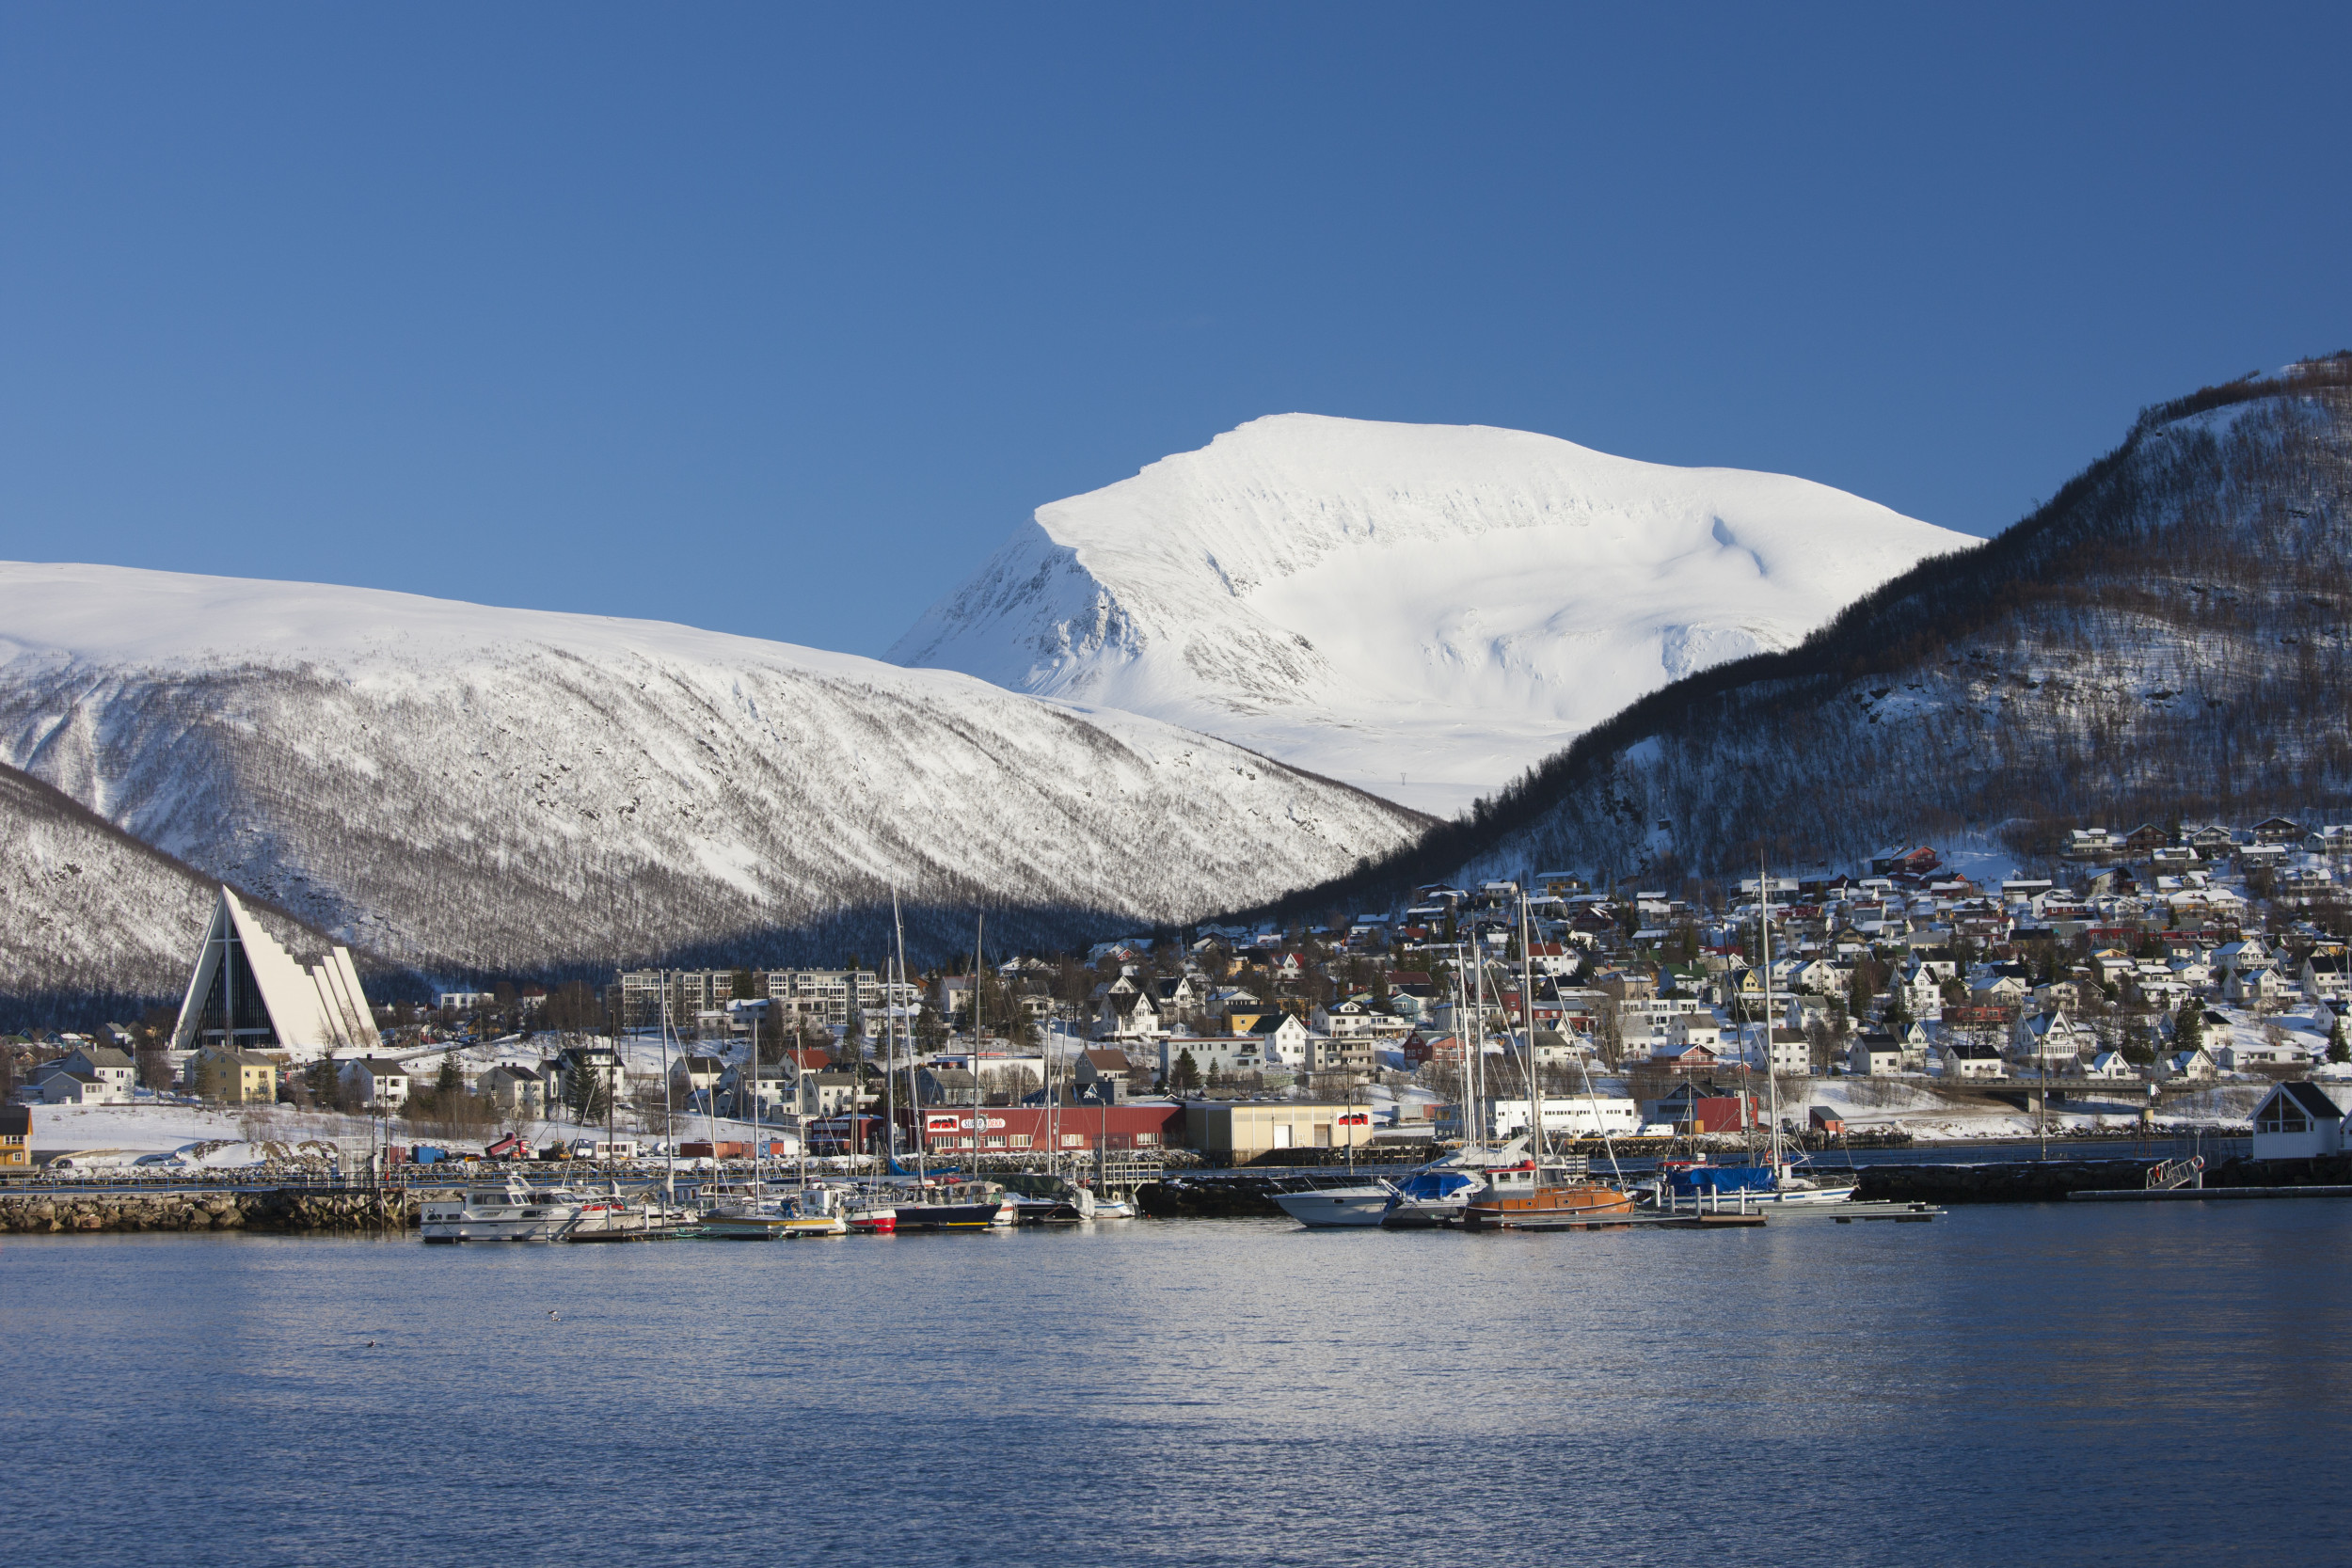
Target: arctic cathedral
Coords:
[(249, 993)]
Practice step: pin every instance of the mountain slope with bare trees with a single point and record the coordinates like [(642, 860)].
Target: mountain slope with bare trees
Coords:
[(2166, 636)]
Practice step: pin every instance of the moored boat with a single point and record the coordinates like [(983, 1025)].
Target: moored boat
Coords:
[(1338, 1208), (953, 1206), (512, 1212), (1529, 1196)]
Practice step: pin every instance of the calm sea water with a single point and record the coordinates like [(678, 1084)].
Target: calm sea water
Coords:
[(2052, 1384)]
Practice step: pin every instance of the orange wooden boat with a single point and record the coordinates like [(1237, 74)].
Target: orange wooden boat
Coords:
[(1524, 1198)]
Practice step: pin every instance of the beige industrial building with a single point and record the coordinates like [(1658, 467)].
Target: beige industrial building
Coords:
[(1236, 1133)]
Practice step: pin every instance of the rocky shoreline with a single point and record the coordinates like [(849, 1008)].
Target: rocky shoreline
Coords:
[(284, 1211)]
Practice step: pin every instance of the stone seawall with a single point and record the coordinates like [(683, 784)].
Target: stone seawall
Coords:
[(286, 1210), (2050, 1181)]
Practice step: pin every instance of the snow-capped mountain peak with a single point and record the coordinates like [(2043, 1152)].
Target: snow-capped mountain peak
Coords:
[(1373, 600)]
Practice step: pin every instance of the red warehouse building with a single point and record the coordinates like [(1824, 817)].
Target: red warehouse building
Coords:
[(1008, 1129)]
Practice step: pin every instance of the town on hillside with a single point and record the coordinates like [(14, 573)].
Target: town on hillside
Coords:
[(2165, 977)]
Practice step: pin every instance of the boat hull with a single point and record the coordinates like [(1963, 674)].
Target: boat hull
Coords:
[(1547, 1209), (1337, 1208), (986, 1215)]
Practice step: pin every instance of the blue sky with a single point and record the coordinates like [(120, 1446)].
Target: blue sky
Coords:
[(778, 319)]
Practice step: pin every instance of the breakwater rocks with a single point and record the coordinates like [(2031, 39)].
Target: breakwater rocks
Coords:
[(2049, 1180), (284, 1210), (2026, 1181)]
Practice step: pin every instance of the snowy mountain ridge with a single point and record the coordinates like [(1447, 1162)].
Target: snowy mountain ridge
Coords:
[(2165, 639), (1371, 600), (466, 789)]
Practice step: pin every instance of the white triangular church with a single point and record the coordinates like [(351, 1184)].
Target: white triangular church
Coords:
[(251, 992)]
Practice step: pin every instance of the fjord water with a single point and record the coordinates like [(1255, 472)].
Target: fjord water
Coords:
[(2069, 1384)]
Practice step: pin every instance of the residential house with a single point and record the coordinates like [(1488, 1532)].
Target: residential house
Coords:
[(1352, 1055), (2296, 1121), (693, 1077), (2197, 1065), (16, 1137), (2050, 1042), (2245, 1056), (1101, 1074), (947, 1085), (1282, 1038), (520, 1092), (599, 1063), (2110, 1067), (71, 1088), (1970, 1059), (830, 1093), (377, 1082), (234, 1077), (1349, 1020), (112, 1073), (1873, 1056), (1126, 1015)]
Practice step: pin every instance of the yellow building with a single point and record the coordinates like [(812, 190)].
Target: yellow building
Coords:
[(16, 1135), (1236, 1133), (234, 1077)]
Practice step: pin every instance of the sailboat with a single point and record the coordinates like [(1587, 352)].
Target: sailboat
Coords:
[(1544, 1192), (937, 1204), (1774, 1182)]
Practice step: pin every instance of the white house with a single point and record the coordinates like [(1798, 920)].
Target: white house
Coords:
[(2327, 979), (2049, 1042), (1967, 1059), (517, 1090), (104, 1077), (2296, 1121), (2197, 1065), (382, 1085), (1874, 1055)]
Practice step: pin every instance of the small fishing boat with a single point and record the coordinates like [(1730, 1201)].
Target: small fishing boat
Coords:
[(870, 1216)]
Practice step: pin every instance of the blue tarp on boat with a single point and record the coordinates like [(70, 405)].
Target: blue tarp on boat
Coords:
[(1720, 1179)]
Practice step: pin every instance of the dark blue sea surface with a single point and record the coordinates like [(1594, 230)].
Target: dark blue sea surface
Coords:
[(2059, 1384)]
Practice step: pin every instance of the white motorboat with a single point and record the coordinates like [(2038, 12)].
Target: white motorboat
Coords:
[(1330, 1207), (512, 1212)]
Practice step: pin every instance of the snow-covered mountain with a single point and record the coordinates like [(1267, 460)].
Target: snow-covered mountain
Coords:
[(1423, 610), (459, 788), (93, 924), (2164, 641)]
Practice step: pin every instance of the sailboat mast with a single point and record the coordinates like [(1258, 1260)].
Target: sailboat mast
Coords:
[(1527, 1019), (669, 1123), (890, 1053), (1771, 1079), (915, 1100)]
